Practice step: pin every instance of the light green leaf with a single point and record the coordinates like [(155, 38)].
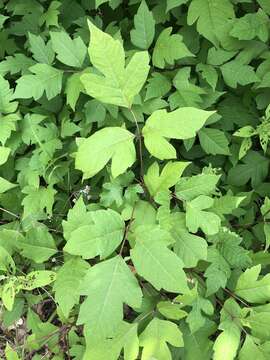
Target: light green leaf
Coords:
[(179, 124), (4, 154), (111, 143), (36, 279), (38, 245), (251, 25), (68, 282), (6, 105), (188, 188), (252, 289), (214, 141), (158, 85), (144, 32), (73, 89), (101, 237), (171, 4), (148, 255), (254, 168), (10, 353), (250, 350), (119, 85), (15, 64), (155, 337), (110, 348), (45, 78), (190, 248), (108, 285), (169, 176), (169, 48), (226, 344), (197, 217), (8, 294), (210, 16), (5, 185), (234, 72), (42, 52), (69, 51)]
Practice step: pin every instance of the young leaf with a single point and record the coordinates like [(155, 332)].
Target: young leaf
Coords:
[(226, 344), (107, 285), (250, 288), (68, 282), (111, 143), (148, 255), (179, 124), (45, 78), (144, 32), (69, 52), (155, 337), (213, 141), (202, 184), (6, 104), (197, 217), (169, 176), (169, 48), (119, 85), (210, 17), (101, 237), (42, 52)]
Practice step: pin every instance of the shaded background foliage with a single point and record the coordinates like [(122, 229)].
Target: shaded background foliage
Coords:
[(163, 256)]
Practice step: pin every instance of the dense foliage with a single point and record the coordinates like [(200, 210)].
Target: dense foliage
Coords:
[(134, 184)]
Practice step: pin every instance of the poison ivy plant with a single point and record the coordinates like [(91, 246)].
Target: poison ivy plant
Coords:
[(134, 179)]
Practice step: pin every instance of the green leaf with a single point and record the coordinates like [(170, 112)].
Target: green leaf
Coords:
[(255, 168), (158, 85), (69, 51), (38, 245), (148, 255), (155, 337), (15, 64), (4, 154), (213, 141), (119, 85), (171, 4), (252, 289), (250, 26), (190, 248), (250, 350), (110, 348), (73, 89), (111, 143), (169, 176), (45, 78), (42, 52), (36, 279), (8, 294), (101, 237), (5, 185), (169, 48), (202, 184), (179, 124), (234, 72), (211, 17), (144, 32), (226, 344), (6, 105), (68, 282), (107, 285), (10, 353), (197, 217)]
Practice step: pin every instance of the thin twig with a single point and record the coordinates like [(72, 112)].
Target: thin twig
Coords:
[(127, 230), (140, 144), (10, 213)]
